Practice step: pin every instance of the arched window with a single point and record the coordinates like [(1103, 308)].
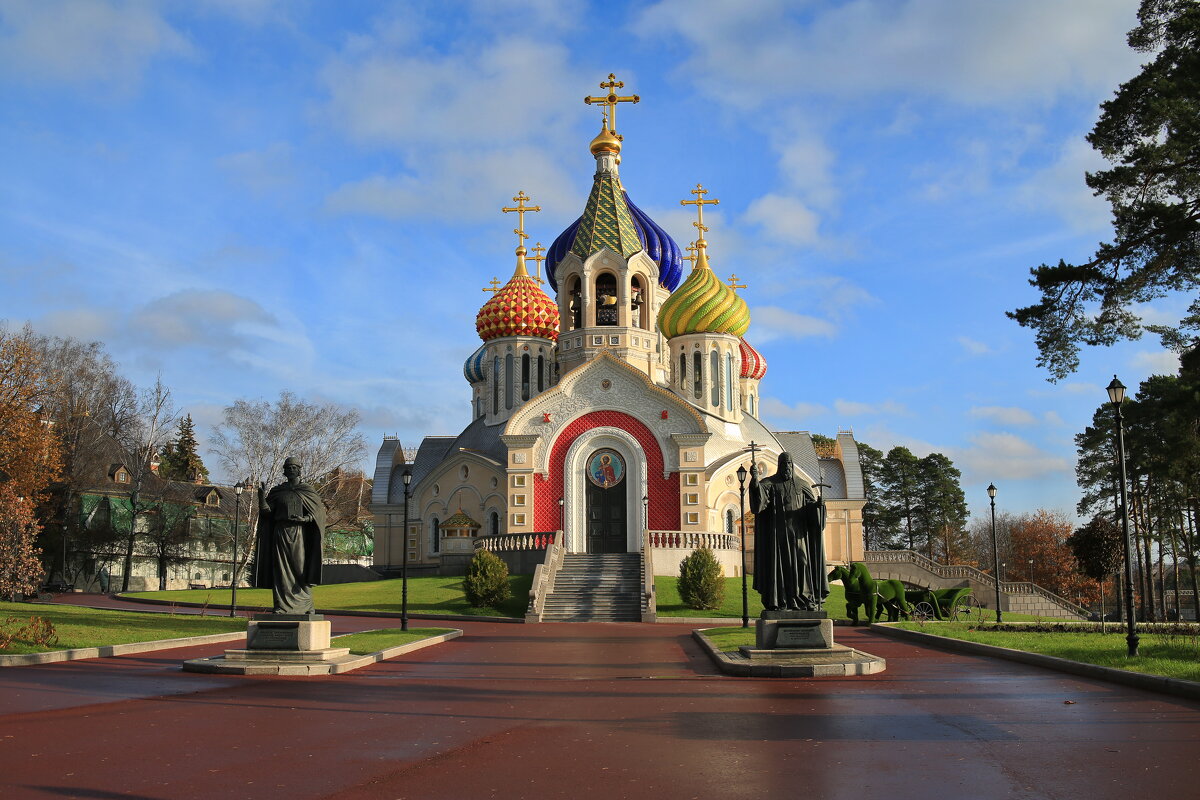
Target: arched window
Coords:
[(508, 381), (698, 375), (683, 370), (525, 376), (574, 305), (435, 536), (606, 299), (714, 375), (496, 385), (639, 303), (494, 524), (729, 381), (752, 406), (541, 374), (729, 520)]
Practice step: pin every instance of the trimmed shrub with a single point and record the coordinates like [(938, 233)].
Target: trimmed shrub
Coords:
[(486, 582), (701, 580)]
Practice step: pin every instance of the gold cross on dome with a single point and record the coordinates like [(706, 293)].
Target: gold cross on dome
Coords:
[(520, 208), (494, 286), (539, 255), (611, 99), (691, 258), (700, 203), (733, 284)]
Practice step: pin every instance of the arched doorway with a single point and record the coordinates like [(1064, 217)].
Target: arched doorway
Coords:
[(607, 511)]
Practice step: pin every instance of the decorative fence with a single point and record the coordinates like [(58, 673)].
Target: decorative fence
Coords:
[(691, 541), (514, 541)]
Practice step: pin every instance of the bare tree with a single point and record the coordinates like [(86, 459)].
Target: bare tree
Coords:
[(256, 436), (141, 442)]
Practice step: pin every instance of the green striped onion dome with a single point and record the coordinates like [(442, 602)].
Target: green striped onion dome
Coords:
[(703, 304)]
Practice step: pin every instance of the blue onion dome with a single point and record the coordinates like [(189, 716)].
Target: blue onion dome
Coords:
[(473, 368), (657, 243)]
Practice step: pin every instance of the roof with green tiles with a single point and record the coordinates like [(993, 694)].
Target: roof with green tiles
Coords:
[(606, 221)]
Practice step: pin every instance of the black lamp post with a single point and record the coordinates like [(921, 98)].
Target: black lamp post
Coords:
[(238, 488), (1116, 395), (407, 478), (991, 490), (561, 523), (741, 475)]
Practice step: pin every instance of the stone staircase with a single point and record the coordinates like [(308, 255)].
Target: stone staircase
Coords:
[(596, 588)]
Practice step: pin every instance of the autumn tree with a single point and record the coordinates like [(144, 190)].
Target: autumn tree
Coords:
[(1042, 555), (1149, 133), (1098, 551), (29, 457), (21, 570)]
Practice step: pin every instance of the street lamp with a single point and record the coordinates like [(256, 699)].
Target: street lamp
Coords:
[(991, 490), (238, 488), (407, 478), (741, 475), (1116, 395), (1029, 572), (561, 524), (646, 510)]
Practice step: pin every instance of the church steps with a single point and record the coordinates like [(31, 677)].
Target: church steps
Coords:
[(596, 588)]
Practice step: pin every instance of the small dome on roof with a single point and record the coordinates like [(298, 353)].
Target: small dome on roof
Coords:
[(754, 366), (520, 308)]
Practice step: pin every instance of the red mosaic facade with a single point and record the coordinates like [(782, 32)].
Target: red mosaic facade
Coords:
[(663, 493)]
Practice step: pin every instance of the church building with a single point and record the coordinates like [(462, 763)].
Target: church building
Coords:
[(613, 401)]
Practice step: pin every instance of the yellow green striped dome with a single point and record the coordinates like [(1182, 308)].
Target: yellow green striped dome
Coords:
[(703, 304)]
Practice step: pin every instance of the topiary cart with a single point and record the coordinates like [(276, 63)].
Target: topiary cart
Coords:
[(941, 604)]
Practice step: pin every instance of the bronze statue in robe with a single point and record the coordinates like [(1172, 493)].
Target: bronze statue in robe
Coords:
[(789, 554), (291, 533)]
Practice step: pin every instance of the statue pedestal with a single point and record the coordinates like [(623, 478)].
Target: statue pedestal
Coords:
[(279, 644), (793, 630)]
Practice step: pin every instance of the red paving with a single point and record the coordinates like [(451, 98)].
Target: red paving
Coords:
[(581, 711)]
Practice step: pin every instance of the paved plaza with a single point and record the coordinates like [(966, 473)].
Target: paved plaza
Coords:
[(587, 710)]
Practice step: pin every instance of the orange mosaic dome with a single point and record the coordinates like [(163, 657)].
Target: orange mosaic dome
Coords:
[(519, 308)]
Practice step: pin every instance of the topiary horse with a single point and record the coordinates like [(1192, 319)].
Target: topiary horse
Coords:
[(863, 590)]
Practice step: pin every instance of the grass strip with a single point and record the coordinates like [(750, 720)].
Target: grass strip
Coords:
[(671, 605), (1173, 653), (728, 640), (78, 627), (426, 595), (368, 642)]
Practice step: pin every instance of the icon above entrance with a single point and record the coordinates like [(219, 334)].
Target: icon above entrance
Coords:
[(606, 504)]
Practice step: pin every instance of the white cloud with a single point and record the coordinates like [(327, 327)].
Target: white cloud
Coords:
[(84, 41), (1003, 415), (849, 408), (785, 219), (1061, 188), (79, 323), (1054, 418), (993, 456), (973, 347), (973, 53), (772, 322), (196, 317), (1162, 362), (262, 171), (775, 409)]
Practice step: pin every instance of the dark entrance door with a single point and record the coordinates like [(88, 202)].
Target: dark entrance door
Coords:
[(606, 512), (606, 519)]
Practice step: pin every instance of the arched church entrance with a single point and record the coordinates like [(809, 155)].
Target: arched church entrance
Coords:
[(606, 498)]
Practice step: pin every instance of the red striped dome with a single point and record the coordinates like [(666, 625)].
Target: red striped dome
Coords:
[(754, 366), (520, 308)]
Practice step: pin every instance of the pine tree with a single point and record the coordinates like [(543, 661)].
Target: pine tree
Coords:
[(1149, 132), (180, 459)]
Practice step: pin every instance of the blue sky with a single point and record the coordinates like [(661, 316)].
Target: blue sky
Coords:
[(249, 195)]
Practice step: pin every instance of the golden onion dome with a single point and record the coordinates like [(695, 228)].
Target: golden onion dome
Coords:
[(605, 142), (519, 308), (703, 304)]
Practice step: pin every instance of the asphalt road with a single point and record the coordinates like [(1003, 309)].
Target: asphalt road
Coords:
[(583, 711)]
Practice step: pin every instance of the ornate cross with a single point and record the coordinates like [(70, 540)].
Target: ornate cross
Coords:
[(611, 99), (700, 203), (691, 248), (521, 208), (539, 255), (494, 286), (733, 284)]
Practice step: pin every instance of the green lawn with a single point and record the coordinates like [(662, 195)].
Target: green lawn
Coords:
[(89, 627), (367, 642), (669, 604), (1175, 655), (425, 596)]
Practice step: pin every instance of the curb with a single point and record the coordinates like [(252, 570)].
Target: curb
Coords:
[(1138, 680), (741, 669), (217, 665), (107, 651), (331, 611)]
